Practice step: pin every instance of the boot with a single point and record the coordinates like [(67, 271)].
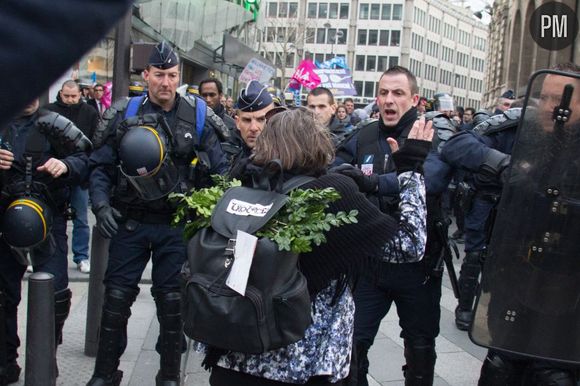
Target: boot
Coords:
[(170, 338), (468, 282), (61, 311), (113, 336), (9, 373), (496, 371), (420, 367)]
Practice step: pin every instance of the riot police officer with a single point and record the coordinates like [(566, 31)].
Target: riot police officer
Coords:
[(405, 280), (42, 155), (498, 132), (153, 145), (487, 152)]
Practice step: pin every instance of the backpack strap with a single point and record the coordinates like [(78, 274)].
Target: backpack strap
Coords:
[(200, 113), (133, 106)]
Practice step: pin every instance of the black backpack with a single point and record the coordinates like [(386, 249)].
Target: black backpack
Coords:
[(276, 308)]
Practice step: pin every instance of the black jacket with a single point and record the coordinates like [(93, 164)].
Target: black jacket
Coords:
[(81, 114)]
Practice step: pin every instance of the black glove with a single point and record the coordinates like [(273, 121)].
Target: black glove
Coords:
[(366, 184), (411, 156), (107, 220)]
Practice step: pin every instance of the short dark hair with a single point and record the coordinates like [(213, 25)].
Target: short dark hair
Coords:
[(402, 70), (99, 85), (470, 109), (322, 91), (70, 84), (218, 84), (348, 100)]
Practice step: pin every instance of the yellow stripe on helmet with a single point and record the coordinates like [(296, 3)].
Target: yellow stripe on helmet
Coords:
[(37, 208)]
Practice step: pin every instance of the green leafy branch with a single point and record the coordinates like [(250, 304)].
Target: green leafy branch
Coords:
[(299, 225)]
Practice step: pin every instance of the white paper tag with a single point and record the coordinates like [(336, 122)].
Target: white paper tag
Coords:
[(242, 208), (367, 169), (243, 256)]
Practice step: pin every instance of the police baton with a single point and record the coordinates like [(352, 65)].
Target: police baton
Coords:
[(446, 256)]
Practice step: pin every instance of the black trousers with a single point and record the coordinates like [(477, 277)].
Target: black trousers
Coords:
[(224, 377)]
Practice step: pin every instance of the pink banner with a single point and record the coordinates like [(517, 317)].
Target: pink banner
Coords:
[(305, 75)]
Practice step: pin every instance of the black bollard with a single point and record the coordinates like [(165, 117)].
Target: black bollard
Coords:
[(40, 344), (99, 258)]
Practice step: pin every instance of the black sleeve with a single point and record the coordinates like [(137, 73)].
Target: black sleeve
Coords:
[(41, 39)]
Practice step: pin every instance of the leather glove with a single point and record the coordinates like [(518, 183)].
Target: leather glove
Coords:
[(107, 221), (366, 184)]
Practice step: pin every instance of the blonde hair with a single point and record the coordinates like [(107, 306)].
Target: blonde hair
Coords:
[(298, 140)]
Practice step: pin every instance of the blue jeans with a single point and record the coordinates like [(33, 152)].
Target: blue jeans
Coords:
[(81, 233)]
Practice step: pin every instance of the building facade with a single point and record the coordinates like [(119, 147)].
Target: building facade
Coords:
[(442, 43)]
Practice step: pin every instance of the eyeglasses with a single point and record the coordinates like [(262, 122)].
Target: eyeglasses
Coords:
[(98, 90)]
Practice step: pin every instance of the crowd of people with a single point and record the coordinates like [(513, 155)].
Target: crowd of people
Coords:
[(401, 164)]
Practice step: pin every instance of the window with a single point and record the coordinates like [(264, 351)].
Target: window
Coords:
[(364, 11), (272, 9), (290, 60), (327, 57), (358, 85), (397, 12), (375, 11), (291, 34), (362, 37), (333, 11), (371, 63), (360, 63), (373, 37), (386, 12), (310, 33), (311, 10), (341, 36), (344, 10), (270, 34), (369, 89), (283, 9), (393, 61), (320, 35), (382, 63), (384, 38), (323, 10), (319, 58), (395, 38), (331, 36), (281, 34), (292, 10)]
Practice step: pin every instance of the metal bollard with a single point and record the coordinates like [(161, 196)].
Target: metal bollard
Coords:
[(40, 340), (99, 258)]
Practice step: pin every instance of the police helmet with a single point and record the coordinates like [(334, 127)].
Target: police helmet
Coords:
[(277, 96), (443, 102), (443, 126), (143, 155), (136, 89), (26, 224)]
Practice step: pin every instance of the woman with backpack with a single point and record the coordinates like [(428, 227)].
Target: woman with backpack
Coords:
[(324, 355)]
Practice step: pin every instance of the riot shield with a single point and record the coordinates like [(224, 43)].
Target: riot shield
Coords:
[(529, 302)]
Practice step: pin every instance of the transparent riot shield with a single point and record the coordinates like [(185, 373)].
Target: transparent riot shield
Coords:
[(529, 302)]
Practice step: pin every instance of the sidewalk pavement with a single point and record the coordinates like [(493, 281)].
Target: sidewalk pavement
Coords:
[(458, 359)]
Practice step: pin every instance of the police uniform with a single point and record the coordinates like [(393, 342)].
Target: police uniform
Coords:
[(34, 140), (486, 151), (409, 283), (138, 224)]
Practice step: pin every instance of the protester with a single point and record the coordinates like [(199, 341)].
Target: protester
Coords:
[(323, 356)]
